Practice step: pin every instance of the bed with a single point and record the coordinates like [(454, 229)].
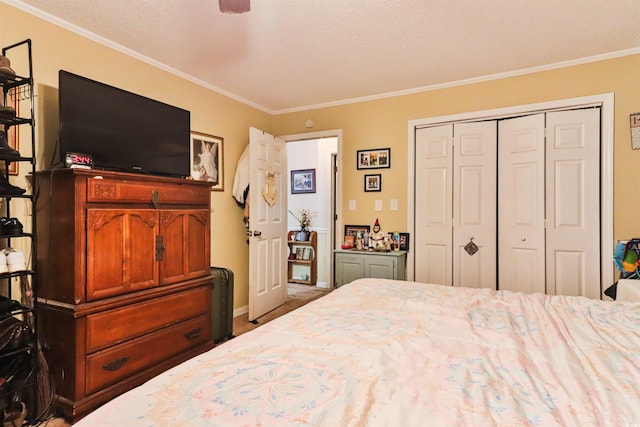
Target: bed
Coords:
[(395, 353)]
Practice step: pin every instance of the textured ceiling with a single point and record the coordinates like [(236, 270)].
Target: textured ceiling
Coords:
[(287, 55)]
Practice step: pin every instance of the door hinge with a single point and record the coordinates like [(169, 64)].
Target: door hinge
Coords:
[(159, 248)]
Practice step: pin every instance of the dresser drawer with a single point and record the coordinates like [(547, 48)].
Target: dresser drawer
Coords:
[(121, 324), (109, 366), (108, 190)]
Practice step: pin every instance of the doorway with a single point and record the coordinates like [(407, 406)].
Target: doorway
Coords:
[(318, 151)]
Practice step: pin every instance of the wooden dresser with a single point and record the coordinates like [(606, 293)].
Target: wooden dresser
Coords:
[(124, 280)]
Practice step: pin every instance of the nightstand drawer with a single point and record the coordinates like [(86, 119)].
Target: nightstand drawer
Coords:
[(121, 324), (114, 364)]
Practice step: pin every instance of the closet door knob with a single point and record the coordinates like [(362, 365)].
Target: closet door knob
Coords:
[(524, 239)]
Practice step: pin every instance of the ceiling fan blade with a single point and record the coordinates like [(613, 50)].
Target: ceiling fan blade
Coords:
[(234, 6)]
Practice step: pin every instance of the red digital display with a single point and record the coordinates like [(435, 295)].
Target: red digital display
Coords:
[(78, 160)]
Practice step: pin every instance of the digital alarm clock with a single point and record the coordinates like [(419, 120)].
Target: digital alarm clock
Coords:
[(78, 161)]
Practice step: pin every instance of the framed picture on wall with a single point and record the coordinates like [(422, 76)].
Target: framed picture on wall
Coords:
[(373, 182), (207, 161), (374, 159), (303, 181)]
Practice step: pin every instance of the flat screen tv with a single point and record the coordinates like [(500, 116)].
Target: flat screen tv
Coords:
[(123, 131)]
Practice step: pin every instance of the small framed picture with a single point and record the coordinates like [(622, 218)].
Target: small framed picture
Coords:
[(374, 159), (404, 241), (207, 159), (373, 182), (303, 181), (307, 254), (299, 253), (354, 230)]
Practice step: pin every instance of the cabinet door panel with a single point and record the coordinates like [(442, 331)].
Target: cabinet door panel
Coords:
[(120, 251), (379, 267), (348, 268), (186, 241)]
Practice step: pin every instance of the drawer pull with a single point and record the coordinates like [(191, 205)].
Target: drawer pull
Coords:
[(116, 364), (154, 199), (192, 334), (160, 248)]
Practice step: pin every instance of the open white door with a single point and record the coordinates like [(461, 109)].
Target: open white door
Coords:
[(268, 223)]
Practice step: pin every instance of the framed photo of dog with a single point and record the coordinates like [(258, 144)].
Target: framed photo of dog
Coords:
[(207, 159)]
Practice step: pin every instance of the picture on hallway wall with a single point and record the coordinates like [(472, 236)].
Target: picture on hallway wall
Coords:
[(303, 181), (374, 159), (207, 159)]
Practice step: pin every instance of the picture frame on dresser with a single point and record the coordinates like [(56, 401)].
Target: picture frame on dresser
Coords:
[(207, 159), (404, 241), (354, 230)]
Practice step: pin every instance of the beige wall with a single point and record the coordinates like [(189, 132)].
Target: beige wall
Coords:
[(365, 125), (384, 123), (55, 48)]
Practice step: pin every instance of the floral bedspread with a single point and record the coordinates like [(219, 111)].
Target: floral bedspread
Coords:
[(393, 353)]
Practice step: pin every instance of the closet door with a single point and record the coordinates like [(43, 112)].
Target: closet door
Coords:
[(474, 204), (433, 241), (521, 209), (573, 203)]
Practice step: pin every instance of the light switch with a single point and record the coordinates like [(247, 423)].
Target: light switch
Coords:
[(378, 206), (352, 205), (394, 204)]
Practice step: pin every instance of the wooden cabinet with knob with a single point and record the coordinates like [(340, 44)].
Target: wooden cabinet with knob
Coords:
[(125, 288)]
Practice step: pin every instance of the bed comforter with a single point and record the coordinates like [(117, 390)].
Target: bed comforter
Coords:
[(395, 353)]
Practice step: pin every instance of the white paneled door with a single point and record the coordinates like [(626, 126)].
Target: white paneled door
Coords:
[(474, 204), (521, 238), (525, 191), (268, 223), (434, 195), (456, 204), (573, 202)]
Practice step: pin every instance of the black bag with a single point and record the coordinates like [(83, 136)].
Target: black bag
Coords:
[(14, 335), (7, 306)]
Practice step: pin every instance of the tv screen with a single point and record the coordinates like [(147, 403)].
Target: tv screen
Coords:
[(123, 131)]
